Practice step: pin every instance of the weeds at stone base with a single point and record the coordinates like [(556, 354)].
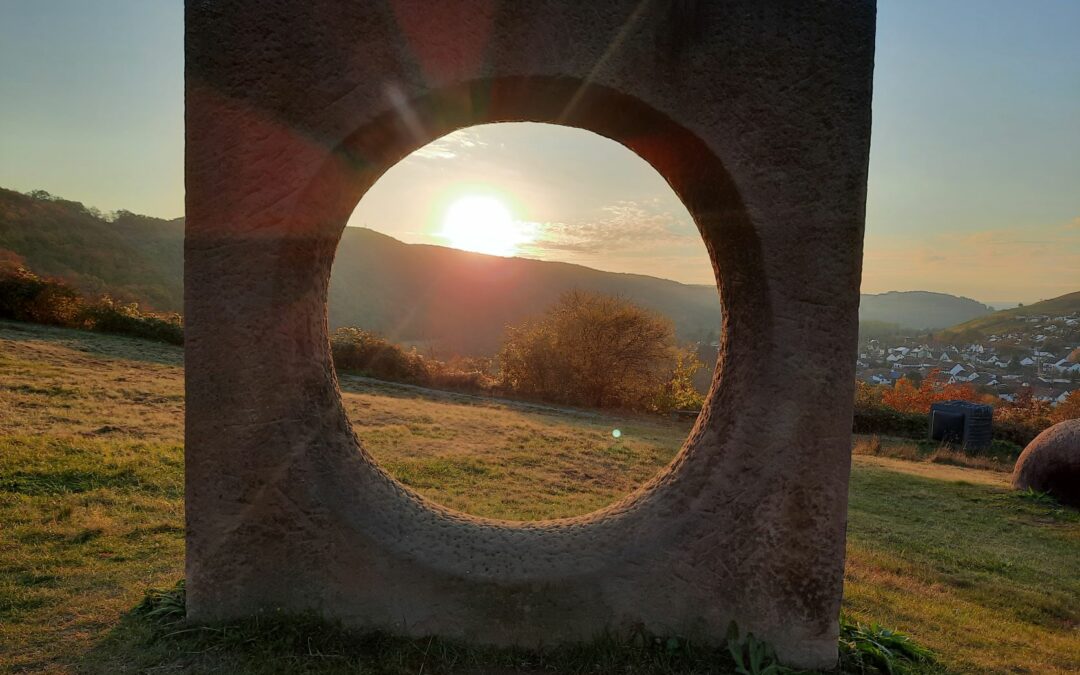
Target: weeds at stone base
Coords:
[(302, 643)]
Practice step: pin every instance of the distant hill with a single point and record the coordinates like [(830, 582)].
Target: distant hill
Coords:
[(450, 300), (461, 302), (1012, 320), (454, 301), (920, 310)]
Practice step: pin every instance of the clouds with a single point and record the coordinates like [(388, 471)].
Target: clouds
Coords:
[(617, 227), (996, 264), (451, 146)]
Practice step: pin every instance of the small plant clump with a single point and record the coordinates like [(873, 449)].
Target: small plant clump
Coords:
[(870, 648)]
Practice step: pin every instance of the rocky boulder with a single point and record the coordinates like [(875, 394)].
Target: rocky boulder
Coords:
[(1051, 463)]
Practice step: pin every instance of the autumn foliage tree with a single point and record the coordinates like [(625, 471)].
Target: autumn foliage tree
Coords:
[(1069, 409), (905, 396), (598, 350)]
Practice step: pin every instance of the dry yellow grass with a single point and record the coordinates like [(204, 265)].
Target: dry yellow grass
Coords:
[(91, 507)]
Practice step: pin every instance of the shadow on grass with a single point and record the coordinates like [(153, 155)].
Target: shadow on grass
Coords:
[(101, 344), (154, 636), (362, 384)]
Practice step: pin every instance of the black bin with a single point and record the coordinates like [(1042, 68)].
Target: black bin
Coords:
[(967, 424)]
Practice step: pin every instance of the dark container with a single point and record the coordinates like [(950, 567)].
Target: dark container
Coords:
[(969, 425)]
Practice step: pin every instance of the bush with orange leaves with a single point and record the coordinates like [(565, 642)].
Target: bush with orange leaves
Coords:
[(906, 397), (1023, 418), (1069, 409)]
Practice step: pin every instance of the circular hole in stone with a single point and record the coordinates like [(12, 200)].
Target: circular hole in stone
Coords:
[(524, 321)]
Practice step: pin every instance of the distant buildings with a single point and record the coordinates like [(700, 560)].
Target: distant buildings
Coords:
[(1042, 356)]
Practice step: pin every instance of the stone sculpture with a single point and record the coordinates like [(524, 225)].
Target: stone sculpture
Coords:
[(757, 112)]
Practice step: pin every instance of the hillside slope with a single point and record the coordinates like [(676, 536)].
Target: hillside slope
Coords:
[(450, 300), (461, 302), (920, 310), (454, 301), (132, 258), (1012, 320)]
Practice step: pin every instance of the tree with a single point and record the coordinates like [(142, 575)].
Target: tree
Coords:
[(905, 396), (1069, 409), (679, 393), (594, 350)]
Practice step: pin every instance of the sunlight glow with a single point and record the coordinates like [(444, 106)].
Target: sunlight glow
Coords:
[(484, 224)]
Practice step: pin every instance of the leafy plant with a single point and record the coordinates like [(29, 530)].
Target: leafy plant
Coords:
[(1037, 497), (875, 649), (752, 656), (164, 607)]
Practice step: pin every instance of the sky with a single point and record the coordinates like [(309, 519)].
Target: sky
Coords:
[(974, 185)]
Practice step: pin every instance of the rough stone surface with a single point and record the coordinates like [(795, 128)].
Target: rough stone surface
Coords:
[(1051, 463), (758, 114)]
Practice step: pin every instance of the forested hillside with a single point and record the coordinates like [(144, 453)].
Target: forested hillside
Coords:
[(452, 301), (131, 257)]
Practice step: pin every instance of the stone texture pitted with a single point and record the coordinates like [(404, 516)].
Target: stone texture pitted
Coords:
[(757, 112), (1051, 463)]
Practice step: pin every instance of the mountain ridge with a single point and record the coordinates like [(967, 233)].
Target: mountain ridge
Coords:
[(450, 300)]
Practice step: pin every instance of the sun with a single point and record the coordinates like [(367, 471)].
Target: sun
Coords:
[(483, 224)]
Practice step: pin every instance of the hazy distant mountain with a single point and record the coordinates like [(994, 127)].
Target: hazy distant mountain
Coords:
[(920, 310), (460, 302), (451, 300)]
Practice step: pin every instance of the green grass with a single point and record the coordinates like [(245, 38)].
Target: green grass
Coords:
[(91, 516)]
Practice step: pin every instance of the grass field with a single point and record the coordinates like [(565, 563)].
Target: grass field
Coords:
[(91, 515)]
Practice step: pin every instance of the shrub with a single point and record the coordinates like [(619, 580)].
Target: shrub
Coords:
[(1069, 409), (366, 353), (1023, 419), (471, 381), (881, 419), (680, 393), (600, 351), (24, 296), (1015, 424), (108, 316)]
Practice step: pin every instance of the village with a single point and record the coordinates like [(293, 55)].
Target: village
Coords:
[(1041, 355)]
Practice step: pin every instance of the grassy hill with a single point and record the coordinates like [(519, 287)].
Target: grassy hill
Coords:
[(91, 510), (1011, 320)]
